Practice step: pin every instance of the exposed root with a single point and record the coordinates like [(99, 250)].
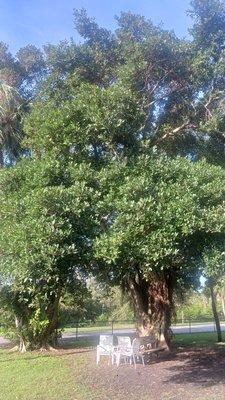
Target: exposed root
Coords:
[(48, 348), (14, 349)]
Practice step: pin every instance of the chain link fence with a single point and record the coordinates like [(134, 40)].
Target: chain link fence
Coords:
[(86, 328)]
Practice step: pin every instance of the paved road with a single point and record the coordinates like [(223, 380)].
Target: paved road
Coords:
[(3, 341), (197, 328), (193, 328)]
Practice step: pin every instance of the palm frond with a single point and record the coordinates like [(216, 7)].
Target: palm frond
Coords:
[(10, 119)]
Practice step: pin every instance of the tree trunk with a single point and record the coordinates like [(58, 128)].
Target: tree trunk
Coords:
[(47, 338), (1, 159), (167, 317), (19, 324), (215, 313), (153, 304), (223, 302), (22, 347)]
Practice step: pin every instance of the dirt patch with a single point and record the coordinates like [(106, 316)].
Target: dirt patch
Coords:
[(193, 374)]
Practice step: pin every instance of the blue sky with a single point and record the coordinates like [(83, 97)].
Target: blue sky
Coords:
[(43, 21)]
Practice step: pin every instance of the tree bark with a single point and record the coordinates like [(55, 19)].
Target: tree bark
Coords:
[(1, 159), (153, 305), (222, 302), (46, 338), (168, 317), (215, 313), (19, 324)]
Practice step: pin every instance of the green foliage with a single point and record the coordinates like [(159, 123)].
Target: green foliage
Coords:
[(113, 303), (23, 71), (196, 307), (78, 305), (161, 214), (91, 123), (214, 258)]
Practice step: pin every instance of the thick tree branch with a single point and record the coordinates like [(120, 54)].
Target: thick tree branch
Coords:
[(185, 125)]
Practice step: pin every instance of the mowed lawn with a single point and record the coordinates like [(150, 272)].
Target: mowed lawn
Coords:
[(41, 376), (195, 370)]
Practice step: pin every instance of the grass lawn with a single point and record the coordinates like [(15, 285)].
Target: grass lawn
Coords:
[(205, 339), (33, 376), (71, 374)]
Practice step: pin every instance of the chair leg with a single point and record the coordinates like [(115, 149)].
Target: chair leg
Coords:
[(98, 358)]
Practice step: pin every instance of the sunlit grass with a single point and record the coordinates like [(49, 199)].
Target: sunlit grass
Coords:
[(196, 339), (35, 376)]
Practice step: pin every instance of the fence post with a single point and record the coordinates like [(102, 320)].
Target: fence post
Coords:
[(77, 324), (112, 327), (189, 326)]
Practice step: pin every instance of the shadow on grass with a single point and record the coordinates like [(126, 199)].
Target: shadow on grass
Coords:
[(80, 343)]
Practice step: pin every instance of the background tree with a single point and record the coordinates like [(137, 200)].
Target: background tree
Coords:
[(214, 258), (20, 77), (194, 305), (115, 304), (11, 111), (24, 71), (221, 295)]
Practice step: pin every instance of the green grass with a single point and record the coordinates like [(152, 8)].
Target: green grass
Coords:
[(82, 343), (34, 376), (205, 339)]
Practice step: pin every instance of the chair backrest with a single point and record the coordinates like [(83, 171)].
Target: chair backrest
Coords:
[(136, 345), (124, 341), (106, 340)]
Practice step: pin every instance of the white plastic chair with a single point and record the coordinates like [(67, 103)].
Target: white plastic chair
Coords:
[(124, 342), (105, 347), (124, 345), (126, 350)]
